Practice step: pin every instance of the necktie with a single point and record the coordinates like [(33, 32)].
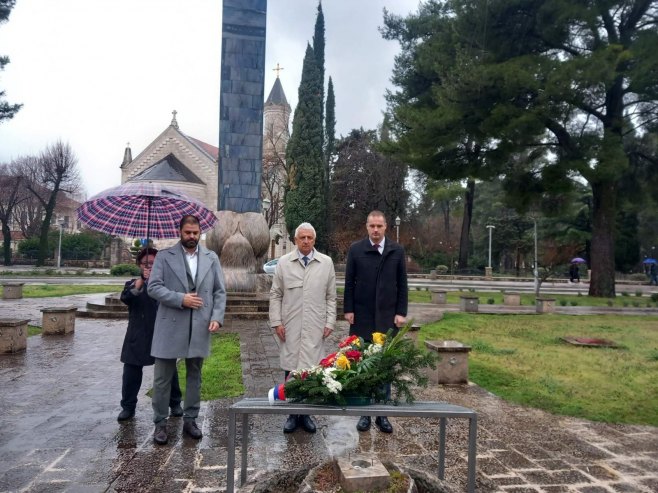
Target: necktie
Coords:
[(305, 259), (376, 247)]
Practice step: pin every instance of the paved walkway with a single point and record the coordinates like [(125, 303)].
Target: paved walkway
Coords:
[(59, 431)]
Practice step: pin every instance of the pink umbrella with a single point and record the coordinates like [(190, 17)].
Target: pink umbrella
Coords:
[(143, 210)]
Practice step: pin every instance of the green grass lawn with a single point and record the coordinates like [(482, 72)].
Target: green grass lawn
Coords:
[(522, 359), (53, 290), (221, 374)]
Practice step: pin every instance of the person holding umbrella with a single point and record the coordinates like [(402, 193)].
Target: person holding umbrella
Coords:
[(188, 282), (136, 350), (574, 272)]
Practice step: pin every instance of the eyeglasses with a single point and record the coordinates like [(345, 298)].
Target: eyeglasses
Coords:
[(144, 264)]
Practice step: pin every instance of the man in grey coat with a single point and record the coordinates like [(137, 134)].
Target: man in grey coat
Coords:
[(302, 309), (188, 283)]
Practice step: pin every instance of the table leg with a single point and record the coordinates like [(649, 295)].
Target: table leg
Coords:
[(472, 437), (230, 460), (442, 448), (245, 440)]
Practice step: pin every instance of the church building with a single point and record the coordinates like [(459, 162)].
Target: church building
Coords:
[(191, 165)]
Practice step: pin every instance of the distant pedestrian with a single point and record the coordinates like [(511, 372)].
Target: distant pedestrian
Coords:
[(574, 273), (653, 274), (136, 350)]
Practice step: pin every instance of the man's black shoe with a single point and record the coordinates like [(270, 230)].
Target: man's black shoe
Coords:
[(176, 411), (160, 434), (363, 424), (291, 424), (307, 423), (383, 424), (125, 414), (192, 429)]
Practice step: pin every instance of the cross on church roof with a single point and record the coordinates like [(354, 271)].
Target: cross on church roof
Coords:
[(277, 70), (174, 123)]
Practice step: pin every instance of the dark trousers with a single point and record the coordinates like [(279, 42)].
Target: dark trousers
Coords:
[(132, 382)]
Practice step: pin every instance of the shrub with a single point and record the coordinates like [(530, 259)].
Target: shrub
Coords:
[(636, 304), (490, 301), (124, 270), (563, 302), (574, 303), (638, 293), (624, 293), (610, 302), (654, 296), (625, 303), (441, 269)]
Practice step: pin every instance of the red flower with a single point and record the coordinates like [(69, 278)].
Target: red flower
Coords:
[(349, 341), (353, 355), (328, 361)]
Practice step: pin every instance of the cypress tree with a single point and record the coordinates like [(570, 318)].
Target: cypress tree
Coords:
[(305, 190), (318, 51), (329, 148)]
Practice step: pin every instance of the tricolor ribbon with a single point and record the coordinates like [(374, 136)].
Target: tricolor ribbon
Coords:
[(277, 393)]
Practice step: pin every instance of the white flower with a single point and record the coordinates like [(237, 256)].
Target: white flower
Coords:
[(372, 349), (328, 381)]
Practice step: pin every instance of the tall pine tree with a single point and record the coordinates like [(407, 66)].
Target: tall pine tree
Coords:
[(318, 51), (305, 192), (329, 149)]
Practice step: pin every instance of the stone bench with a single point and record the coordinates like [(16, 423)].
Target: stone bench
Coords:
[(438, 296), (12, 290), (452, 367), (545, 305), (58, 321), (13, 335), (468, 303), (418, 409), (512, 299)]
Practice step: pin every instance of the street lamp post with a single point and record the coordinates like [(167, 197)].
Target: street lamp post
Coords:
[(59, 247), (490, 227), (397, 229), (265, 205)]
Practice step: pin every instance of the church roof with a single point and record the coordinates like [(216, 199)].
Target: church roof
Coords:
[(277, 96), (170, 169), (209, 149)]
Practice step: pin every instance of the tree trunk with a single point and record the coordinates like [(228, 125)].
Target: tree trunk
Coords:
[(464, 240), (602, 262), (6, 237)]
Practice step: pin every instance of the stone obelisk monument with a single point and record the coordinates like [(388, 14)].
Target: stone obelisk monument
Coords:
[(241, 237)]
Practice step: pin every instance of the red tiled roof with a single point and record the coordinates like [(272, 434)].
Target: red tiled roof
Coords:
[(210, 149)]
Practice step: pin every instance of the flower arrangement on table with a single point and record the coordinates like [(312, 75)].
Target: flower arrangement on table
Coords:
[(360, 369)]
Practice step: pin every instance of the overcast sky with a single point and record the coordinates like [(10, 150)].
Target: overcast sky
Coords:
[(101, 73)]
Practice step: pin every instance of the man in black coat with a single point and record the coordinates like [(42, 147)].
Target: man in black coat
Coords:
[(136, 351), (376, 291)]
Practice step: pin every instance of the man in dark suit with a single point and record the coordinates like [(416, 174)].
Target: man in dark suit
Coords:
[(188, 282), (376, 292)]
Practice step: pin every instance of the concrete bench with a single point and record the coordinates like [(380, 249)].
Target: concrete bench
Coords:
[(427, 409), (13, 335), (12, 290), (469, 303), (511, 299), (452, 367), (545, 305), (60, 320), (438, 296)]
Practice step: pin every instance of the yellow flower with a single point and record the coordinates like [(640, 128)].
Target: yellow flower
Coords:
[(342, 362), (379, 338)]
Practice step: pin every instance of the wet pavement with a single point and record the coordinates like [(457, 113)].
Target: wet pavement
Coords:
[(61, 398)]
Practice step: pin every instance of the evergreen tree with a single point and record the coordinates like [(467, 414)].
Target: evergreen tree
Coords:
[(7, 111), (329, 149), (572, 79), (305, 191), (318, 51)]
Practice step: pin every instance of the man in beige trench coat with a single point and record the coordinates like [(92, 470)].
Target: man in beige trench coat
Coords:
[(302, 309)]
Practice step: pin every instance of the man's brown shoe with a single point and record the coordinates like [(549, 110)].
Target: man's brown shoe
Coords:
[(192, 429), (160, 434)]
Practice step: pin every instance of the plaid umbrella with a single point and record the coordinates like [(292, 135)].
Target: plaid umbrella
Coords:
[(143, 210)]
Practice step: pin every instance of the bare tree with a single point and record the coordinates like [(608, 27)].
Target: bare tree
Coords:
[(275, 171), (12, 194), (55, 171)]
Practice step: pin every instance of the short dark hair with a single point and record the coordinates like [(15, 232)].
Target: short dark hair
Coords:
[(188, 219), (144, 252)]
